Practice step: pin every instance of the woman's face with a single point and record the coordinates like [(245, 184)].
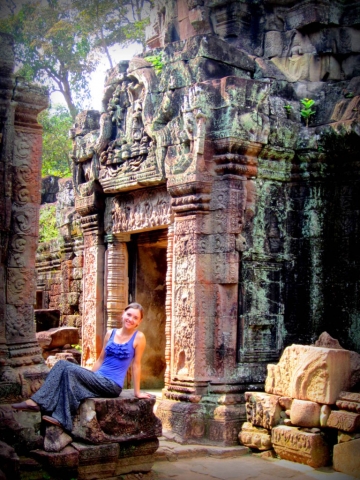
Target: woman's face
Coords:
[(131, 318)]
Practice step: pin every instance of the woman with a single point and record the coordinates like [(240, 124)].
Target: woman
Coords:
[(67, 384)]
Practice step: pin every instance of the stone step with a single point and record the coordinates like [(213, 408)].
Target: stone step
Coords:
[(172, 451)]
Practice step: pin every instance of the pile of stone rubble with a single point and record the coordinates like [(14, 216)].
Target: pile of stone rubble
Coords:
[(310, 411), (57, 344)]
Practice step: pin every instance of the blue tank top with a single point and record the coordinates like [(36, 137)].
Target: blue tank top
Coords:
[(118, 357)]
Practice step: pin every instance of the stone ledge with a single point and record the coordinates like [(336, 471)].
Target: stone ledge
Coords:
[(172, 451)]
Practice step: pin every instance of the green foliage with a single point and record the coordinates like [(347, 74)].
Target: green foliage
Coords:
[(77, 347), (57, 42), (56, 123), (307, 111), (156, 61), (52, 49), (47, 223)]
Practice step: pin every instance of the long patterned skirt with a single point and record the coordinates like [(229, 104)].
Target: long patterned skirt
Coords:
[(66, 386)]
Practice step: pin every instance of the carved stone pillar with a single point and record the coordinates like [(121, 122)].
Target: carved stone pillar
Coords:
[(117, 281), (22, 368), (93, 329), (169, 303)]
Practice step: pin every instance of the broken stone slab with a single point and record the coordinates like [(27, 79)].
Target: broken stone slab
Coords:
[(304, 413), (346, 458), (106, 420), (343, 420), (347, 437), (262, 409), (255, 437), (52, 359), (310, 373), (56, 439), (58, 337), (296, 445)]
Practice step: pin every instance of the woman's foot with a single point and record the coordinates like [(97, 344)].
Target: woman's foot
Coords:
[(26, 406), (51, 420)]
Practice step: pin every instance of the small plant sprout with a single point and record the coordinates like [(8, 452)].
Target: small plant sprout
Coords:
[(156, 61), (288, 109), (307, 111)]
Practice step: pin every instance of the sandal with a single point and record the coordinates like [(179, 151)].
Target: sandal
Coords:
[(51, 420), (25, 407)]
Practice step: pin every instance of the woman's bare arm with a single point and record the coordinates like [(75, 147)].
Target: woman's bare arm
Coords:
[(100, 360), (139, 345)]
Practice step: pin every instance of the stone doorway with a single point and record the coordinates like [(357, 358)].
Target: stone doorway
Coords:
[(147, 276)]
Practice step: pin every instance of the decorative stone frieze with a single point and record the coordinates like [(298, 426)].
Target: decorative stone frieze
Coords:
[(262, 410), (255, 437), (296, 445), (343, 420)]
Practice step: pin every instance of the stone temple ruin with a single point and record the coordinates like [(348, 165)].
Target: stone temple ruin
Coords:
[(209, 192)]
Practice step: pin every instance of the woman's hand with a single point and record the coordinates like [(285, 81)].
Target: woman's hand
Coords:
[(143, 395)]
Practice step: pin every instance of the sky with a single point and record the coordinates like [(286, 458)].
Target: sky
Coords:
[(97, 78)]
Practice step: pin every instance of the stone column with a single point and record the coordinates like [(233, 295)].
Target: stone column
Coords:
[(117, 280), (93, 329), (22, 369), (169, 303)]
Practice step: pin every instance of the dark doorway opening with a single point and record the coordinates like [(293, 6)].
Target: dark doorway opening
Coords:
[(147, 286)]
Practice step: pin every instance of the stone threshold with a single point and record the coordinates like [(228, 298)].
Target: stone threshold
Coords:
[(172, 451)]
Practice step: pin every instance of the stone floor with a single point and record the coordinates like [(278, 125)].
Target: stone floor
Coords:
[(195, 462)]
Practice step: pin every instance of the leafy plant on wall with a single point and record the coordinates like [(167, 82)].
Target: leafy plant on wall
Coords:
[(306, 110), (156, 61), (47, 223)]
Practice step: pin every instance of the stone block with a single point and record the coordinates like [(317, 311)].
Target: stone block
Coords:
[(69, 299), (55, 439), (304, 413), (121, 419), (262, 409), (77, 262), (255, 437), (58, 337), (96, 461), (310, 373), (185, 419), (225, 425), (349, 401), (142, 463), (68, 458), (299, 446), (343, 420), (346, 458), (9, 461), (77, 274)]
